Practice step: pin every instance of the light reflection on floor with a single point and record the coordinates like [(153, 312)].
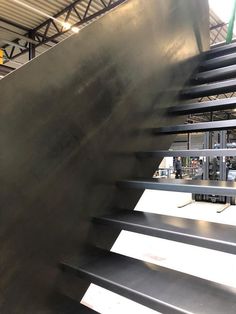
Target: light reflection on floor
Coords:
[(208, 264)]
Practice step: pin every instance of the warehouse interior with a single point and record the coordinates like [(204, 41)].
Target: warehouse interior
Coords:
[(118, 156)]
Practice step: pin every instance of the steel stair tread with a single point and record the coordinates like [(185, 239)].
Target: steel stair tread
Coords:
[(220, 51), (209, 76), (224, 188), (197, 127), (210, 89), (209, 235), (205, 106), (187, 153), (157, 287), (219, 62)]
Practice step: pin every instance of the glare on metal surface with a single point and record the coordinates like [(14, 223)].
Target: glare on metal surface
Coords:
[(75, 29)]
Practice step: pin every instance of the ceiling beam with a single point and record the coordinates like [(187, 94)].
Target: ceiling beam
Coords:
[(218, 25), (11, 43)]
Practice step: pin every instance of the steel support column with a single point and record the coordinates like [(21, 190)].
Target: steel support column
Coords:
[(222, 158), (206, 160), (32, 50)]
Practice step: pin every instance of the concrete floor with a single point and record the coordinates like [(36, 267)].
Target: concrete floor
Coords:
[(205, 263)]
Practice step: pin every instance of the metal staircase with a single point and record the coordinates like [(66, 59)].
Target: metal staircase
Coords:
[(159, 288)]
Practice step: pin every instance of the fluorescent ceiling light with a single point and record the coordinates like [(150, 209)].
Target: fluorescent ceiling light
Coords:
[(66, 25)]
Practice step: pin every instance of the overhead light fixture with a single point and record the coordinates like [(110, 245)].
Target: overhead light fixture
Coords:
[(66, 26)]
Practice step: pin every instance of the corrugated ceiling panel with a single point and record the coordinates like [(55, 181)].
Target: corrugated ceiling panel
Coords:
[(13, 11)]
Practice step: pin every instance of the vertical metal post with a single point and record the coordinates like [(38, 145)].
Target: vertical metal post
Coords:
[(222, 159), (223, 176), (206, 160), (189, 147), (31, 46), (189, 141), (230, 30), (207, 145)]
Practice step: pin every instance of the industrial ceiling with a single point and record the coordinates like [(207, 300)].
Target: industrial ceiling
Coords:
[(29, 28)]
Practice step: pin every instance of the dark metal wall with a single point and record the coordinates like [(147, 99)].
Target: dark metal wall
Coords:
[(70, 121)]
